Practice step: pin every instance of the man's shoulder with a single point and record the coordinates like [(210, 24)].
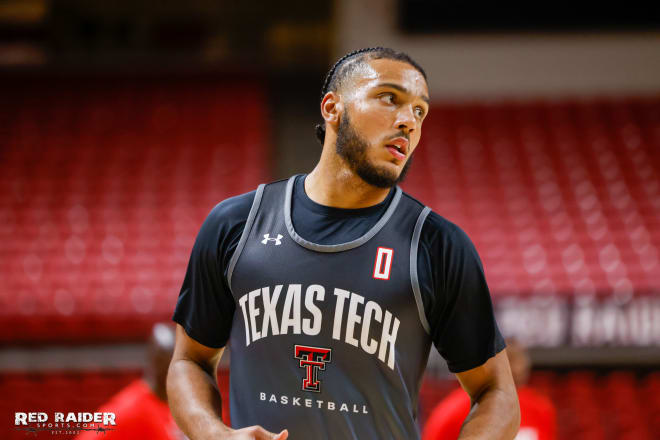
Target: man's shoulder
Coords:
[(230, 215), (236, 208), (438, 227)]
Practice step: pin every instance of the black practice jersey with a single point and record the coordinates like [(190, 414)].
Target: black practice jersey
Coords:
[(330, 313)]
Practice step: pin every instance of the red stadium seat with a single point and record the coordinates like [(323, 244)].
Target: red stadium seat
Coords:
[(570, 187), (102, 190)]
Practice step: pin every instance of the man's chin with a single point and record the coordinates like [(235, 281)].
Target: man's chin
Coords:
[(379, 177)]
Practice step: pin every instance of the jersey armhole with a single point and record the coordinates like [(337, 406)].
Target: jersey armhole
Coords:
[(414, 279), (246, 232)]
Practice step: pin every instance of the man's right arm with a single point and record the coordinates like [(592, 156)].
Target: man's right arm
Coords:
[(204, 314), (193, 394)]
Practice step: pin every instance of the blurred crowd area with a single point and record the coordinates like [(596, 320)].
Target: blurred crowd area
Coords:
[(123, 123)]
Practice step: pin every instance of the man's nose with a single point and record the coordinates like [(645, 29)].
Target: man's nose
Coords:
[(406, 119)]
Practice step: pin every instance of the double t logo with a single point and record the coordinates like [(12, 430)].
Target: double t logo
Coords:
[(313, 359)]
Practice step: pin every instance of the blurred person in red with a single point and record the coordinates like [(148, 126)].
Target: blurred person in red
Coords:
[(141, 410), (538, 415)]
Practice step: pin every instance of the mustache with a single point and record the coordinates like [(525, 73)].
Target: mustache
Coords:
[(402, 134)]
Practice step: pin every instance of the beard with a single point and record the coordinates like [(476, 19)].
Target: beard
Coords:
[(353, 149)]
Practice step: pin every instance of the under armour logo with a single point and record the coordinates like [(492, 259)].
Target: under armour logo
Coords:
[(278, 240)]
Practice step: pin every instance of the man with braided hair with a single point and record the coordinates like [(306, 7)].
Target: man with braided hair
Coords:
[(331, 287)]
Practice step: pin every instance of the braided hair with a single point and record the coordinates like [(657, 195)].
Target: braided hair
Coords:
[(348, 63)]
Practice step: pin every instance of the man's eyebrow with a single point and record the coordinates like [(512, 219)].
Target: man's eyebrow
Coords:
[(401, 89)]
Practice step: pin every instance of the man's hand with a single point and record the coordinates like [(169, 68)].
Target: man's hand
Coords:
[(256, 433)]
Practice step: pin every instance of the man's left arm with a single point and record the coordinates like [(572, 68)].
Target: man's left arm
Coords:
[(464, 330), (494, 413)]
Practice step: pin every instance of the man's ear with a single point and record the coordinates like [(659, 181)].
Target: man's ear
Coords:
[(331, 108)]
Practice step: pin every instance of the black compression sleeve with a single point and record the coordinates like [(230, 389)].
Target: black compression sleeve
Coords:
[(205, 307), (456, 297)]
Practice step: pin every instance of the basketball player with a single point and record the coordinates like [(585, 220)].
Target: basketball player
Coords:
[(331, 287)]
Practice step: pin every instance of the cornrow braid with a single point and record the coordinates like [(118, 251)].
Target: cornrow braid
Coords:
[(331, 73), (332, 78)]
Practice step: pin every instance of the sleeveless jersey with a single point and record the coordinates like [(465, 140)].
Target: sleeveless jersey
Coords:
[(327, 341)]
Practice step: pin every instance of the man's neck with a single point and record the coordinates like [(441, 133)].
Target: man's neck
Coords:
[(333, 184)]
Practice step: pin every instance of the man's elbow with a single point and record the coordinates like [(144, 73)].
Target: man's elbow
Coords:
[(514, 410), (509, 412), (172, 381)]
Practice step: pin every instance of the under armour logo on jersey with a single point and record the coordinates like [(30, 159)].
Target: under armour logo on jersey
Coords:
[(278, 240)]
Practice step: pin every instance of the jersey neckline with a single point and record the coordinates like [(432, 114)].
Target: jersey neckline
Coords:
[(334, 247), (300, 196)]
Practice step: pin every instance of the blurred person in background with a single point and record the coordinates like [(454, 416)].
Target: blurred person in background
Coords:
[(331, 287), (538, 415), (140, 409)]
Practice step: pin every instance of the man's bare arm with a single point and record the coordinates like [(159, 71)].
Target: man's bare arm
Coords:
[(193, 394), (495, 413)]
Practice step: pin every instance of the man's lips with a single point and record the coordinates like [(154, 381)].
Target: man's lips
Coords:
[(398, 147), (400, 142)]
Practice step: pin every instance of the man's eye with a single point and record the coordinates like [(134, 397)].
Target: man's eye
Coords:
[(387, 97), (419, 112)]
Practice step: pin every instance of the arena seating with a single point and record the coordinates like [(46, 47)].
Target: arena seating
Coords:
[(103, 186), (611, 406), (558, 196), (616, 406)]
